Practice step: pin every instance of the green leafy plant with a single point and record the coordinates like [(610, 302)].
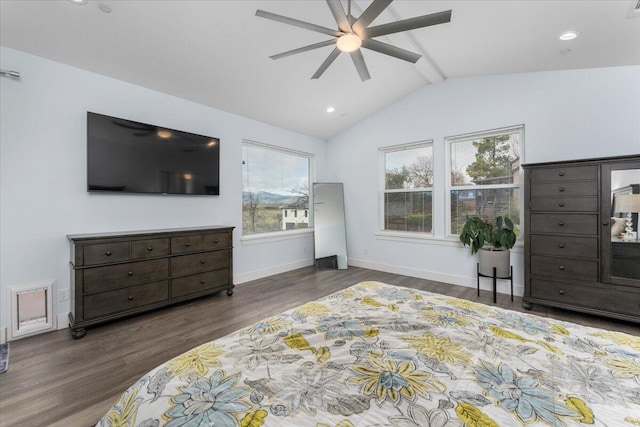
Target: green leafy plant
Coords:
[(477, 232)]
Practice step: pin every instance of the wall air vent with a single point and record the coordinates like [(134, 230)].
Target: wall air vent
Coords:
[(634, 9)]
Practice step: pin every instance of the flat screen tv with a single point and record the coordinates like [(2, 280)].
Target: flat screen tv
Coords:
[(132, 157)]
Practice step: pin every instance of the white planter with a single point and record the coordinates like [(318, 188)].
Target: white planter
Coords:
[(496, 258)]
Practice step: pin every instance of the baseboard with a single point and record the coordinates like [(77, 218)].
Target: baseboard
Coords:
[(3, 335), (266, 272), (469, 282)]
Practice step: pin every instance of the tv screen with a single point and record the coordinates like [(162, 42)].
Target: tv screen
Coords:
[(133, 157)]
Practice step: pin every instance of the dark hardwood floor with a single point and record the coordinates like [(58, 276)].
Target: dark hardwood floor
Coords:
[(54, 380)]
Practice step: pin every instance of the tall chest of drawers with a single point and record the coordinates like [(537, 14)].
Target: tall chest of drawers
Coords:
[(115, 275), (567, 230)]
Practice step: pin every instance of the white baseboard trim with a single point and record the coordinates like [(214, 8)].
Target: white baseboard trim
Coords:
[(266, 272), (63, 321), (3, 335), (469, 282)]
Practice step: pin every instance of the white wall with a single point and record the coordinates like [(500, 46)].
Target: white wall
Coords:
[(43, 193), (567, 115)]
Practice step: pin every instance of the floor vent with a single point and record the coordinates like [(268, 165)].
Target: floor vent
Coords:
[(31, 309)]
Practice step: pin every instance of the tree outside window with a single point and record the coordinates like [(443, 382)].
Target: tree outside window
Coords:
[(408, 188), (485, 176)]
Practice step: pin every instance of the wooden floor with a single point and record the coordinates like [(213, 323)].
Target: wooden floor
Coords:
[(54, 380)]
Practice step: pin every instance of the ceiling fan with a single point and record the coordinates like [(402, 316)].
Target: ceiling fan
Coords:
[(353, 33)]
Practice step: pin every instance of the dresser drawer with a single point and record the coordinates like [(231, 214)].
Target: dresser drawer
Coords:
[(199, 283), (126, 299), (564, 268), (565, 189), (101, 279), (182, 244), (199, 263), (563, 174), (103, 253), (564, 204), (141, 249), (600, 298), (215, 241), (566, 246), (564, 224)]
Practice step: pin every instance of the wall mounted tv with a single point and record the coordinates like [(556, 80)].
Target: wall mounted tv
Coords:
[(133, 157)]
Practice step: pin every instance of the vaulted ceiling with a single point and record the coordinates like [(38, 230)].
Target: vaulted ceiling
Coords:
[(217, 52)]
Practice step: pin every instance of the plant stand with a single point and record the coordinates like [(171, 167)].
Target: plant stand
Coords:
[(495, 277)]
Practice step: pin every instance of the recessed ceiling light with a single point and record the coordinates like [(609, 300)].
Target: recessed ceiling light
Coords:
[(568, 35), (78, 2), (330, 110), (104, 8)]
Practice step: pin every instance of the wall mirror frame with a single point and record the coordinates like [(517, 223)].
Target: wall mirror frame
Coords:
[(330, 237), (620, 262)]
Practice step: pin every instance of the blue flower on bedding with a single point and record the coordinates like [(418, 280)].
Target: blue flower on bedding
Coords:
[(208, 402), (529, 324), (523, 395), (338, 327), (395, 294)]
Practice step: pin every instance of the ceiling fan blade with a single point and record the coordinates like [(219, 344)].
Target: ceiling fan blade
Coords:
[(323, 67), (387, 49), (369, 15), (297, 23), (304, 49), (358, 61), (339, 15), (407, 24)]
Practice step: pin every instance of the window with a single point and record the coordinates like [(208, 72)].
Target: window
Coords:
[(484, 176), (275, 184), (407, 179)]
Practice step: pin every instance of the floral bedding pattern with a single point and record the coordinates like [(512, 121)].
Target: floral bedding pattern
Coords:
[(381, 355)]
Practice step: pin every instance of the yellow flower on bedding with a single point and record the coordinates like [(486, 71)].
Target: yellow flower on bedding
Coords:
[(127, 408), (313, 308), (268, 326), (625, 368), (467, 305), (389, 380), (198, 360), (440, 348), (619, 338), (444, 318)]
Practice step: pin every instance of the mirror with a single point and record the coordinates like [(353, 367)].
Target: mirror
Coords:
[(625, 206), (330, 236)]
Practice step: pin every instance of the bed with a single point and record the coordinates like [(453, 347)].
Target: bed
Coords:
[(380, 355)]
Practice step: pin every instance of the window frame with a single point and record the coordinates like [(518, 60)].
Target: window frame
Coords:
[(382, 190), (450, 140), (277, 235)]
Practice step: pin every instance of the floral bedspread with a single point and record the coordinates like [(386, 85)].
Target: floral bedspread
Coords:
[(381, 355)]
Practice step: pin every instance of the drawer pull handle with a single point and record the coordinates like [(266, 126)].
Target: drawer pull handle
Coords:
[(216, 241), (561, 189), (561, 245), (202, 282), (201, 261), (561, 223), (561, 204), (562, 267), (130, 298), (561, 292), (149, 248), (108, 253), (605, 224), (187, 244), (561, 173), (130, 273)]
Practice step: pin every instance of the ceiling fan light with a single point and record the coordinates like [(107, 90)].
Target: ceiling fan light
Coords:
[(349, 42)]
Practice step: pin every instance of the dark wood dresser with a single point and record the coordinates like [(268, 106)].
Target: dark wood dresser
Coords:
[(571, 259), (114, 275)]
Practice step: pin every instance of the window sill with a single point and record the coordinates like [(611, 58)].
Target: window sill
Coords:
[(276, 236), (430, 239)]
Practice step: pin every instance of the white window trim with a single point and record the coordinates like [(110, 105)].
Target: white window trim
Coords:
[(274, 236), (449, 140), (382, 190)]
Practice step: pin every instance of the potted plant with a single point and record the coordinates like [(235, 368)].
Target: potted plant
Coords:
[(492, 240)]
